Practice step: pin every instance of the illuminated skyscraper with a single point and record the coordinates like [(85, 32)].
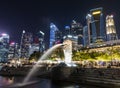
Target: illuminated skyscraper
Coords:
[(87, 31), (58, 37), (4, 47), (13, 51), (85, 36), (38, 43), (110, 28), (53, 30), (26, 41), (97, 31), (40, 35), (77, 32)]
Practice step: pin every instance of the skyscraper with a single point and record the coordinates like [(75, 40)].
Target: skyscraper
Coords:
[(26, 41), (110, 28), (97, 30), (77, 32), (53, 30), (13, 51), (87, 31), (58, 37), (85, 36), (67, 30), (41, 43), (4, 47)]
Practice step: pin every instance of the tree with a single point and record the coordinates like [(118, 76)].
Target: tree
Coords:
[(58, 53), (35, 55)]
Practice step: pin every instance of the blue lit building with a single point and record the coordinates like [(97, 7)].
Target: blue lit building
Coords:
[(53, 30), (97, 27), (4, 47)]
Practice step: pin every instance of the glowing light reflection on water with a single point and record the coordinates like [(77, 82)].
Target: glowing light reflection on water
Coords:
[(6, 82)]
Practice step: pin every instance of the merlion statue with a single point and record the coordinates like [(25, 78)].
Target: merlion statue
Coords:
[(67, 48)]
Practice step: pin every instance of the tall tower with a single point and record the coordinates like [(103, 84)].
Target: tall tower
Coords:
[(85, 36), (97, 25), (4, 47), (13, 51), (11, 54), (58, 37), (41, 41), (87, 31), (53, 30), (26, 41), (77, 32), (110, 28)]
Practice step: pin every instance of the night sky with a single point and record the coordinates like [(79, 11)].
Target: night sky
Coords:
[(35, 15)]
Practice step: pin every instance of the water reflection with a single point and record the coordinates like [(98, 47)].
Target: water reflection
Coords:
[(8, 82)]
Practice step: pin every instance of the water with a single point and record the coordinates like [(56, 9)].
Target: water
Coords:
[(6, 82), (44, 56)]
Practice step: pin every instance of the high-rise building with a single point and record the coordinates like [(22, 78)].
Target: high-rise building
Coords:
[(97, 27), (67, 30), (26, 41), (110, 28), (13, 51), (58, 37), (87, 31), (55, 35), (40, 36), (77, 31), (75, 34), (17, 48), (38, 43), (4, 47), (85, 36), (67, 33), (34, 47)]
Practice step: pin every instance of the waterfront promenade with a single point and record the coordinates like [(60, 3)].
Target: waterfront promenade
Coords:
[(108, 77)]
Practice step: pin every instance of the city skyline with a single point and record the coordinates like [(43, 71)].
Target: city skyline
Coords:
[(32, 16)]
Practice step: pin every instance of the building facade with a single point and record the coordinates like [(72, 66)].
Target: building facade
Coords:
[(110, 28), (55, 35), (40, 37), (34, 47), (96, 26), (13, 51), (85, 36), (75, 34), (77, 31), (26, 41), (4, 47)]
